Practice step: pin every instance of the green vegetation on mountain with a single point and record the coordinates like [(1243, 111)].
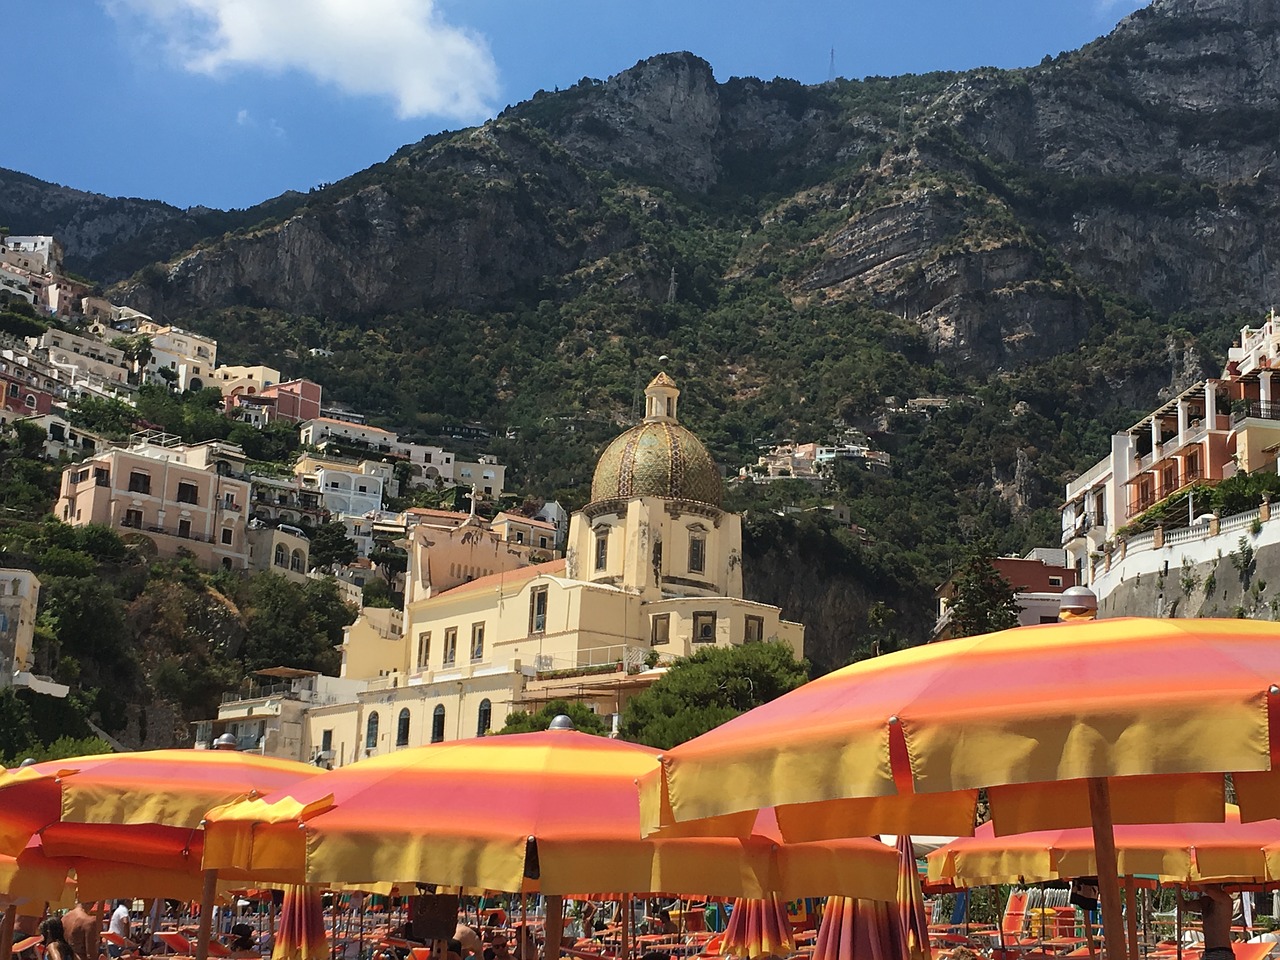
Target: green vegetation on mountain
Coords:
[(149, 646), (1051, 251)]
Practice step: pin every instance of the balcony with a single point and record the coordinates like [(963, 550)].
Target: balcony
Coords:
[(1256, 410), (286, 690), (1144, 501), (181, 536)]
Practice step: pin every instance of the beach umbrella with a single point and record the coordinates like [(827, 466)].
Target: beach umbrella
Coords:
[(1177, 853), (855, 929), (143, 809), (32, 875), (910, 902), (556, 812), (300, 932), (1074, 724), (155, 798), (758, 928)]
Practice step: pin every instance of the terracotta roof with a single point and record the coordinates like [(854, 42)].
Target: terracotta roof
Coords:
[(516, 577), (517, 518), (348, 423), (460, 516)]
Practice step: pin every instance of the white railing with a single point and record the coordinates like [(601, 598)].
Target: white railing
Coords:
[(1186, 533), (1140, 541), (1239, 521), (629, 656)]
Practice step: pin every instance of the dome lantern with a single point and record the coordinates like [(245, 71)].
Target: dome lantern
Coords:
[(660, 399)]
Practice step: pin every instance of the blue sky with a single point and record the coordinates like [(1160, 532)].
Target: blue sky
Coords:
[(227, 103)]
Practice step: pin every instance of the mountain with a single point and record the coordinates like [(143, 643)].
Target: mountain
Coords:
[(109, 238), (1053, 250)]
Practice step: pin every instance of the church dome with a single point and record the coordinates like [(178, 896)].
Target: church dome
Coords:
[(657, 458)]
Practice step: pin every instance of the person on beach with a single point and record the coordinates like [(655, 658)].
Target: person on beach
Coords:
[(119, 925), (1214, 906), (82, 929), (244, 942), (55, 940), (469, 940)]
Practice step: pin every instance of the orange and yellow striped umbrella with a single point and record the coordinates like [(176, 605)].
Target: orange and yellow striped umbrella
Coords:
[(758, 928), (910, 902), (300, 933), (143, 807), (853, 929), (32, 875), (557, 812), (1187, 853), (904, 741)]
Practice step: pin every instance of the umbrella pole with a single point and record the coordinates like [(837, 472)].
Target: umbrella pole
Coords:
[(207, 896), (1177, 917), (624, 948), (364, 897), (1104, 850), (6, 931), (553, 927), (1131, 915)]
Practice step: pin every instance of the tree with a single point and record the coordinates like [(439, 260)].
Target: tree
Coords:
[(110, 417), (712, 686), (294, 625), (330, 544), (521, 721), (982, 600), (137, 349)]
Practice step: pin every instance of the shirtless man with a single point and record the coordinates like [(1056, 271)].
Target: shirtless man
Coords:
[(1214, 907), (470, 942), (82, 928)]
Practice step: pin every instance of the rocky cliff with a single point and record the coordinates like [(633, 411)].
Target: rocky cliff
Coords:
[(109, 238), (980, 206)]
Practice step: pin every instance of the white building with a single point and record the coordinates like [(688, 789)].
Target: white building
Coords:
[(86, 356), (44, 253), (192, 357), (64, 439)]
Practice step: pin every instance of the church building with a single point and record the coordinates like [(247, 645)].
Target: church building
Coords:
[(652, 571)]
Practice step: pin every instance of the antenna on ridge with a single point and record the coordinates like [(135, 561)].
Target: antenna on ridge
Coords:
[(831, 66)]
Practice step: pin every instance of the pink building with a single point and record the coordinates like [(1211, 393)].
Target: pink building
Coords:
[(176, 497), (296, 400)]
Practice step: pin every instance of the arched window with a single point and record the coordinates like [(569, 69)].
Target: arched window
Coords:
[(282, 556), (371, 732), (437, 724), (295, 562), (402, 728), (485, 718)]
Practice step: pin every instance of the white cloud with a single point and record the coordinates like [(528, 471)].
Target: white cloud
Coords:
[(242, 118), (401, 49)]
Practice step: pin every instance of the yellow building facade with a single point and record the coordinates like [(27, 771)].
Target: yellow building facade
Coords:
[(652, 572)]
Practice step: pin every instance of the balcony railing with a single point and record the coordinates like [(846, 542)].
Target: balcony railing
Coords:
[(190, 535), (286, 689), (1257, 410), (1141, 503)]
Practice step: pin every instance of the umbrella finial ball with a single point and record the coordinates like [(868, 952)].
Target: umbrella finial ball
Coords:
[(1078, 603), (561, 722)]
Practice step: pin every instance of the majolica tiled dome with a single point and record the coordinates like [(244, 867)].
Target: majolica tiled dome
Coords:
[(657, 458)]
